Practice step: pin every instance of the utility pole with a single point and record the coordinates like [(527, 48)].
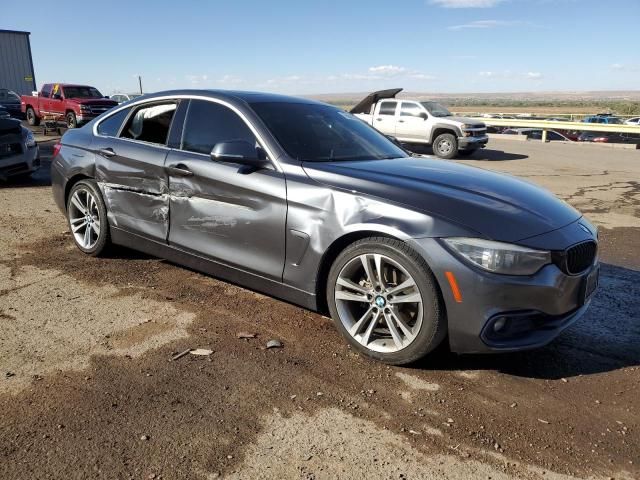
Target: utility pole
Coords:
[(140, 83)]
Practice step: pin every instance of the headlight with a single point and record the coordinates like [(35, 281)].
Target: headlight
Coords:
[(29, 139), (498, 257)]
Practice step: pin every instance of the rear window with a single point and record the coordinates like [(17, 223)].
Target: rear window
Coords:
[(110, 126), (387, 108), (150, 123)]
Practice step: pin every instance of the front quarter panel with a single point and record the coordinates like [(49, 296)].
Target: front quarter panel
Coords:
[(319, 215)]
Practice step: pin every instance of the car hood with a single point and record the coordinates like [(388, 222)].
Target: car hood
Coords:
[(457, 119), (9, 126), (497, 206), (94, 101)]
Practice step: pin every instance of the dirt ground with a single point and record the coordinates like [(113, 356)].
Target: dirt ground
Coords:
[(88, 387)]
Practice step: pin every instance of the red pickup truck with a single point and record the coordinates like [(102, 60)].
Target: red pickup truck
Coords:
[(77, 104)]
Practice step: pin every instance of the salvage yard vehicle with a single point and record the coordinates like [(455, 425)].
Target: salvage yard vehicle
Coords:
[(19, 152), (124, 97), (305, 202), (76, 104), (429, 123), (10, 101)]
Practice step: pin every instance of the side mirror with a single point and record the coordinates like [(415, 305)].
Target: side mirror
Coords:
[(423, 115), (57, 96), (239, 151)]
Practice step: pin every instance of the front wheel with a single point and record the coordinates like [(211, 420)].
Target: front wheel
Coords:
[(445, 146), (72, 121), (32, 118), (87, 215), (384, 300)]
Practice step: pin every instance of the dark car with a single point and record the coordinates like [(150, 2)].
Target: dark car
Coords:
[(305, 202), (10, 101), (605, 118), (609, 137), (19, 152), (4, 113)]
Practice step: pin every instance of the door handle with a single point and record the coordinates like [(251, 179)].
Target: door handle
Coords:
[(378, 119), (107, 152), (179, 170), (400, 121)]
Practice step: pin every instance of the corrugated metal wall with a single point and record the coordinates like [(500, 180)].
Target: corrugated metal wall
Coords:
[(16, 70)]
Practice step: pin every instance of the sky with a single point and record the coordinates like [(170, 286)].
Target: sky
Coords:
[(330, 46)]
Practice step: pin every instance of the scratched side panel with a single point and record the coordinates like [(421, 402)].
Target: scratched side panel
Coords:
[(134, 185), (232, 217)]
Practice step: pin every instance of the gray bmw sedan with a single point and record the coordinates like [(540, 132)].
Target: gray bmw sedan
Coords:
[(307, 203)]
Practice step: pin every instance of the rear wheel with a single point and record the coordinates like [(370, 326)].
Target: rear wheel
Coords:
[(383, 299), (72, 122), (445, 146), (87, 217), (32, 118)]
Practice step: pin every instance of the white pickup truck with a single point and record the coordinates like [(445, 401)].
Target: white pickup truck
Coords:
[(412, 121)]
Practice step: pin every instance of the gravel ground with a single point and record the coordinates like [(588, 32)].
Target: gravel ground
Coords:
[(88, 387)]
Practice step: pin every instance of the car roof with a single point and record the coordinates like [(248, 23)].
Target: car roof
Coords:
[(247, 97)]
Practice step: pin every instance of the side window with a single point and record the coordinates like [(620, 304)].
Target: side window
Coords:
[(111, 125), (46, 91), (554, 136), (209, 123), (150, 123), (387, 108), (409, 109)]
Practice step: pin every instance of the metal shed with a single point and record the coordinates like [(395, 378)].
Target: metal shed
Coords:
[(16, 63)]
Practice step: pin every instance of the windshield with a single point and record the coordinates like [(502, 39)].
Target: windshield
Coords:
[(322, 133), (81, 92), (134, 95), (436, 109)]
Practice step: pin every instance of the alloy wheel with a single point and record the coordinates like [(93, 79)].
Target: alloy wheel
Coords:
[(379, 303), (84, 218)]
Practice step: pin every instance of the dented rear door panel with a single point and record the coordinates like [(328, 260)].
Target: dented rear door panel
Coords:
[(134, 185), (229, 216)]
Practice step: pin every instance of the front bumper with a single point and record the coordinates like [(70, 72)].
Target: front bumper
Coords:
[(472, 143), (21, 164), (83, 118), (549, 301)]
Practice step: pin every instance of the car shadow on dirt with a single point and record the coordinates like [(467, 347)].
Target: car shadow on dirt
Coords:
[(606, 338), (480, 154)]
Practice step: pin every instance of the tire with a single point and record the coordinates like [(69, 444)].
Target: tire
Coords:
[(79, 206), (466, 153), (32, 118), (72, 121), (445, 146), (394, 330)]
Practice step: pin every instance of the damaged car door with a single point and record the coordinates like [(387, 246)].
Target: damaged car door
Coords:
[(130, 168), (220, 209)]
